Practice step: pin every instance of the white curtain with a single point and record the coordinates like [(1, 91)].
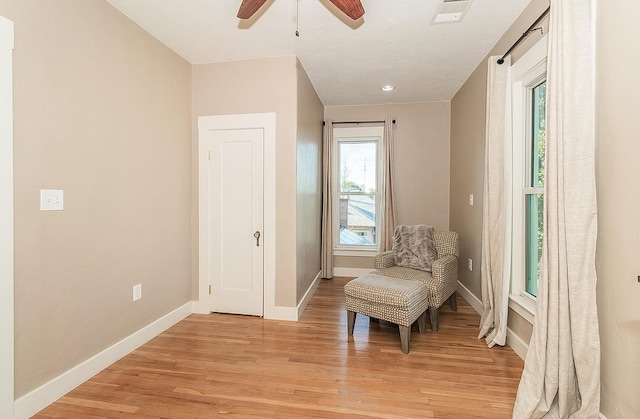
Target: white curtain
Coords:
[(495, 270), (326, 258), (388, 211), (561, 377)]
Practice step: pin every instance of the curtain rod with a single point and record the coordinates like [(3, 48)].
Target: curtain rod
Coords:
[(524, 35), (358, 122)]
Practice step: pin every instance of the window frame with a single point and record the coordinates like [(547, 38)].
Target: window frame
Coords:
[(526, 73), (357, 134)]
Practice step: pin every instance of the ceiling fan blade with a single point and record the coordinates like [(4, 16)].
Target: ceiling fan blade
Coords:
[(249, 7), (351, 8)]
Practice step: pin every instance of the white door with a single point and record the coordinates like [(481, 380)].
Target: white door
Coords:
[(235, 189)]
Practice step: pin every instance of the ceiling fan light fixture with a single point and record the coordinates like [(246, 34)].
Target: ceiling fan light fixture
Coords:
[(351, 8), (387, 87), (249, 7)]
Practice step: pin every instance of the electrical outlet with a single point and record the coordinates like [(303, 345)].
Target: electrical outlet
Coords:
[(137, 292), (471, 199), (470, 264)]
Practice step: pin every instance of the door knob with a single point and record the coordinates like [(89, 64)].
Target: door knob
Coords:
[(257, 236)]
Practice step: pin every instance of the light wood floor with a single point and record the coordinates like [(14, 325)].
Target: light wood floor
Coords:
[(245, 367)]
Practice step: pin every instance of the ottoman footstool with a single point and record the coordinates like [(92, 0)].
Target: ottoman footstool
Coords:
[(395, 300)]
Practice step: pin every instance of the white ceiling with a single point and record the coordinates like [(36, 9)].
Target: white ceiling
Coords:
[(347, 62)]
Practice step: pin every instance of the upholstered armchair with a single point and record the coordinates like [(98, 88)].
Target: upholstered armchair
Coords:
[(443, 278)]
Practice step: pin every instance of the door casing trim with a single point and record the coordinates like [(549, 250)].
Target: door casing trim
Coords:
[(7, 352), (267, 122)]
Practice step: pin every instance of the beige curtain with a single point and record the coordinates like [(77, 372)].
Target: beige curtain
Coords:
[(561, 377), (388, 211), (326, 258), (495, 269)]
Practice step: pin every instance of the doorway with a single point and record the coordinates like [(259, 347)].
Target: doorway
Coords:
[(236, 155)]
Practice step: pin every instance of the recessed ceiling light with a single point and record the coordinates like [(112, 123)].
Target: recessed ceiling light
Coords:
[(387, 88)]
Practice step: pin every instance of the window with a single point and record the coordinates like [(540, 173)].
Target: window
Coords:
[(356, 212), (529, 88), (533, 191)]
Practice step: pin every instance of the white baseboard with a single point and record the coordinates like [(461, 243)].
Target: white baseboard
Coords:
[(351, 272), (309, 294), (281, 313), (195, 306), (36, 400), (470, 298), (514, 341), (293, 313), (519, 346)]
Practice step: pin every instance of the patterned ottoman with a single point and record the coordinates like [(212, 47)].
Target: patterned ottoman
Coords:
[(395, 300)]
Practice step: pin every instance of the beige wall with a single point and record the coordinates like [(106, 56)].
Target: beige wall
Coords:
[(520, 326), (618, 176), (422, 161), (467, 158), (356, 262), (467, 162), (251, 86), (617, 151), (309, 192), (102, 111)]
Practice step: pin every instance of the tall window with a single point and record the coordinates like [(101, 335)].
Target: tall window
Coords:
[(356, 212), (529, 92), (533, 191)]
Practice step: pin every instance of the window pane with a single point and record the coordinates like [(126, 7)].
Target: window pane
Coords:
[(357, 217), (538, 134), (358, 167), (533, 246)]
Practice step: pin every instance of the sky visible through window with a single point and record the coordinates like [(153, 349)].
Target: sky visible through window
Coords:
[(358, 166)]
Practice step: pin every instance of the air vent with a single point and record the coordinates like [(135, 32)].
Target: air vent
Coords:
[(451, 11)]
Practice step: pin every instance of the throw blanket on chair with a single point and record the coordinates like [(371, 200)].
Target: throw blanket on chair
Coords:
[(413, 247)]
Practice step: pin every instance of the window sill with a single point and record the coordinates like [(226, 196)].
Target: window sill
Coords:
[(356, 252), (524, 306)]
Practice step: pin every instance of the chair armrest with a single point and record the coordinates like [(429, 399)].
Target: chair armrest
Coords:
[(384, 260), (445, 275), (445, 270)]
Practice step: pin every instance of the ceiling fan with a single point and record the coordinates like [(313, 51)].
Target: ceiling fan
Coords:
[(351, 8)]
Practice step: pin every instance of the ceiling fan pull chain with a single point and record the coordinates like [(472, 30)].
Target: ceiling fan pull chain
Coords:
[(297, 17)]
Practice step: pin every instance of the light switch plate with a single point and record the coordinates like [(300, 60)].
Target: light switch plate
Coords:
[(137, 292), (51, 199)]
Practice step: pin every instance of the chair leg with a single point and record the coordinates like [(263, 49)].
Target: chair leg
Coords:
[(422, 323), (351, 322), (405, 336), (433, 316), (454, 303)]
